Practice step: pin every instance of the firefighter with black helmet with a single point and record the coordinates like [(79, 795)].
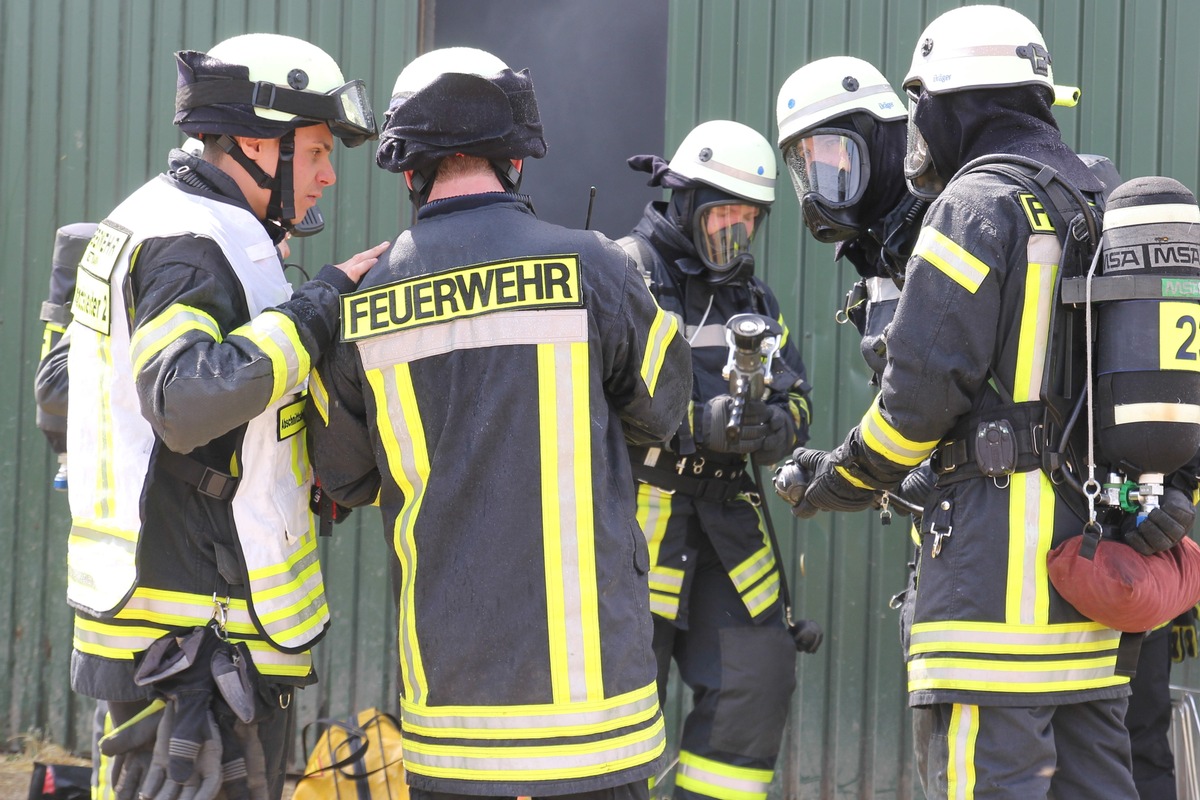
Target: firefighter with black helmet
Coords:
[(1027, 693), (715, 583), (490, 373), (192, 561)]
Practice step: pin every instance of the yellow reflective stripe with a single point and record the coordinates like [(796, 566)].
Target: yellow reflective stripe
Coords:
[(568, 522), (853, 481), (536, 762), (713, 779), (1003, 638), (879, 435), (402, 434), (653, 511), (753, 568), (665, 606), (762, 597), (1034, 329), (962, 737), (992, 675), (319, 395), (306, 551), (662, 331), (153, 335), (783, 340), (541, 721), (951, 259), (276, 336), (99, 533), (1031, 505)]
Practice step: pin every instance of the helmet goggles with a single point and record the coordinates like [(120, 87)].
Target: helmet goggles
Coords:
[(345, 109), (831, 163), (723, 232), (919, 170)]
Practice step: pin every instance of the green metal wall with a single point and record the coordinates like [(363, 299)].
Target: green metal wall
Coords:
[(86, 99), (1137, 63), (86, 89)]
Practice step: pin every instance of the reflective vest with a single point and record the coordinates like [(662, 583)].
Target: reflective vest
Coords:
[(112, 446)]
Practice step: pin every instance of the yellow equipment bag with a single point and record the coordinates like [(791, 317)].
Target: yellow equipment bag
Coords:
[(359, 758)]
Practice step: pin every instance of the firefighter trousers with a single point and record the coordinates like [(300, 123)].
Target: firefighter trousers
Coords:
[(741, 675)]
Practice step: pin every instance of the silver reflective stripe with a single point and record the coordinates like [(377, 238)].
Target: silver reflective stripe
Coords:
[(837, 100), (1156, 412), (1156, 214), (708, 336), (487, 330), (752, 568), (535, 722), (763, 596), (668, 581), (705, 776), (268, 327), (741, 175), (535, 762), (963, 733), (666, 606), (998, 676), (1002, 638), (570, 531)]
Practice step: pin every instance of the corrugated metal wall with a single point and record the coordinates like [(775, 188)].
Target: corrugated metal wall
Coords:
[(85, 92), (86, 97), (1137, 64)]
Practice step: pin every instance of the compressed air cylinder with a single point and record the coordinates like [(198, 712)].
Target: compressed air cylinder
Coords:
[(1148, 340)]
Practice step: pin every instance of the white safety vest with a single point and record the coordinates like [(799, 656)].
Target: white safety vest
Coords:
[(110, 442)]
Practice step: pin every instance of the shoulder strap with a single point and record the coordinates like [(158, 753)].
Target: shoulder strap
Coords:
[(636, 249)]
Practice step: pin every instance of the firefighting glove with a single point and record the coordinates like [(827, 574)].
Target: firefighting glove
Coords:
[(917, 486), (1184, 643), (179, 669), (807, 635), (1164, 526), (829, 489), (768, 431), (243, 767), (131, 747), (166, 780)]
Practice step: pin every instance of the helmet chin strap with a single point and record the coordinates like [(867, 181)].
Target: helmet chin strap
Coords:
[(507, 172), (281, 207), (421, 180)]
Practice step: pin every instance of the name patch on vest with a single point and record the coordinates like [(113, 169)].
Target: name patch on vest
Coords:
[(544, 282), (93, 294), (291, 419)]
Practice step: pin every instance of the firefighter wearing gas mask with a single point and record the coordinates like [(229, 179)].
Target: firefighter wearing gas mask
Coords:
[(192, 563), (1026, 692), (714, 579)]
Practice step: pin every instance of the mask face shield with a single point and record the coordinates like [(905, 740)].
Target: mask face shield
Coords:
[(920, 173), (353, 121), (723, 233), (831, 164)]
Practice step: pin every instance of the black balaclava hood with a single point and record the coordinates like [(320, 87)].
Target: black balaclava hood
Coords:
[(962, 126)]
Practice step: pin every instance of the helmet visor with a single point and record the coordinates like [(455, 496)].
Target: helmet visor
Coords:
[(724, 231), (831, 163), (919, 170)]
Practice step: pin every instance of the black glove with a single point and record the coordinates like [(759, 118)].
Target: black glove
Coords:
[(1164, 526), (766, 430), (791, 482), (131, 747), (828, 490), (1183, 636), (807, 635), (917, 486)]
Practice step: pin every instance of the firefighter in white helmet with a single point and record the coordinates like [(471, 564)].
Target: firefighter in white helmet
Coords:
[(489, 374), (1027, 693), (715, 583), (192, 552)]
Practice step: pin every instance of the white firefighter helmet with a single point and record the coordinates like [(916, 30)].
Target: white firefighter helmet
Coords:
[(286, 83), (729, 156), (975, 47), (830, 88), (423, 70)]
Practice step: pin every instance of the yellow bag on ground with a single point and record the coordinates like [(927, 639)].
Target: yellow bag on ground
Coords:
[(359, 758)]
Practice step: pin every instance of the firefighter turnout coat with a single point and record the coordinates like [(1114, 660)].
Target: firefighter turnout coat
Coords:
[(491, 371), (969, 344), (190, 480), (730, 521)]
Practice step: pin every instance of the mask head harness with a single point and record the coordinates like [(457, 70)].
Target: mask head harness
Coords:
[(266, 86), (460, 101)]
